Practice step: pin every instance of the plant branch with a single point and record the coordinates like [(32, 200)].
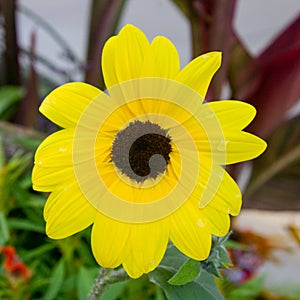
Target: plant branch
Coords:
[(104, 279), (103, 23), (279, 165), (11, 72)]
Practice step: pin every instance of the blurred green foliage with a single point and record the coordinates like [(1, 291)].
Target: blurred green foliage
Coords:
[(9, 95)]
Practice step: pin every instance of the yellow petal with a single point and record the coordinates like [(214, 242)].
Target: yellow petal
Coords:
[(199, 72), (66, 103), (67, 212), (109, 241), (228, 198), (56, 150), (53, 161), (233, 114), (223, 190), (49, 179), (236, 146), (108, 62), (242, 146), (189, 233), (161, 60), (147, 243), (123, 56), (218, 221)]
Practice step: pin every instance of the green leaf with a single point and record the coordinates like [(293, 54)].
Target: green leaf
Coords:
[(212, 267), (16, 137), (9, 95), (231, 244), (114, 291), (85, 279), (4, 231), (35, 201), (38, 252), (218, 257), (2, 153), (203, 286), (208, 284), (30, 143), (248, 290), (56, 281), (173, 259), (187, 273), (223, 257), (276, 173), (25, 225), (159, 294)]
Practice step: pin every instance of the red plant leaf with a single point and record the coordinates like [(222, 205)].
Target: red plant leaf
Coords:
[(244, 73), (279, 88), (288, 39)]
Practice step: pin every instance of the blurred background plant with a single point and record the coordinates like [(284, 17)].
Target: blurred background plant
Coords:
[(35, 267)]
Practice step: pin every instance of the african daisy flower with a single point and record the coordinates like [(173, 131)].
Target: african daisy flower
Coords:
[(143, 161)]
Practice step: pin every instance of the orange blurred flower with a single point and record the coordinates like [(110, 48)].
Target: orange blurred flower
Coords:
[(12, 264)]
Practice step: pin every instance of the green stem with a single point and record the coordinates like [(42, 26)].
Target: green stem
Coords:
[(104, 279)]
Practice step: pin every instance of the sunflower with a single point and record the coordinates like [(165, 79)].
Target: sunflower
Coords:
[(143, 161)]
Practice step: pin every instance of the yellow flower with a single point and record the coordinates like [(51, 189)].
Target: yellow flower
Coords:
[(143, 161)]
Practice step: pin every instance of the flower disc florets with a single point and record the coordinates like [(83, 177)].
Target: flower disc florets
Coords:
[(141, 150)]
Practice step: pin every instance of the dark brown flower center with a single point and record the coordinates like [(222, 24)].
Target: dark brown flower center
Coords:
[(141, 150)]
